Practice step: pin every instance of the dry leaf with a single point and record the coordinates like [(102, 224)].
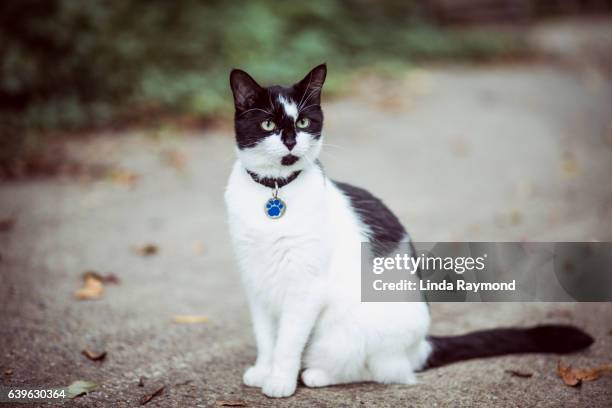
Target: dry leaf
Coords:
[(568, 375), (94, 355), (390, 102), (575, 376), (569, 165), (92, 289), (79, 388), (199, 248), (608, 134), (515, 217), (108, 278), (123, 177), (521, 374), (8, 371), (155, 391), (6, 224), (111, 278), (189, 319), (175, 158), (460, 146), (148, 250), (231, 403)]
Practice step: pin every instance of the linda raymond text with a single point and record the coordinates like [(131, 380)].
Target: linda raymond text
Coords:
[(447, 286)]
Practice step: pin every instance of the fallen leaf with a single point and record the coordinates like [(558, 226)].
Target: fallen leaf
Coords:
[(6, 224), (391, 102), (190, 319), (521, 374), (94, 355), (155, 391), (8, 371), (175, 158), (199, 248), (148, 250), (575, 376), (79, 388), (608, 134), (108, 278), (123, 177), (231, 403), (460, 146), (515, 217), (569, 164), (92, 289), (568, 375), (111, 278)]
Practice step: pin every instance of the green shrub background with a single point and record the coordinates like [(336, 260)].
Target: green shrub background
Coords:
[(72, 64)]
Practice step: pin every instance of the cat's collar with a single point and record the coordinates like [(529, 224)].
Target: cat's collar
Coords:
[(272, 182)]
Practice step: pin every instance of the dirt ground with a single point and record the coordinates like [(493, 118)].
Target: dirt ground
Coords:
[(486, 153)]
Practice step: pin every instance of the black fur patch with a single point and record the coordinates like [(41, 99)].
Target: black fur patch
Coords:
[(274, 182), (289, 159), (386, 231), (255, 104), (558, 339)]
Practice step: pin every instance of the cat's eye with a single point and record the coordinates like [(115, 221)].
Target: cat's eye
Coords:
[(303, 123), (268, 125)]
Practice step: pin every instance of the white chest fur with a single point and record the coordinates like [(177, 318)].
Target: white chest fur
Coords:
[(276, 255)]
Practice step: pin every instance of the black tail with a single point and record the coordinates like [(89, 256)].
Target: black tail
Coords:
[(496, 342)]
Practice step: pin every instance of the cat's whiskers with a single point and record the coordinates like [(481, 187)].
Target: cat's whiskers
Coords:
[(307, 86), (256, 109), (306, 107), (308, 159), (310, 95)]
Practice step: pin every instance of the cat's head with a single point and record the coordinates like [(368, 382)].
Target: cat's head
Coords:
[(278, 129)]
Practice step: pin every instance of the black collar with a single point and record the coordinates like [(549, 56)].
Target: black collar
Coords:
[(274, 182)]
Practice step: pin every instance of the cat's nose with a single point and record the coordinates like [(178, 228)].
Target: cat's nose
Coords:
[(290, 142)]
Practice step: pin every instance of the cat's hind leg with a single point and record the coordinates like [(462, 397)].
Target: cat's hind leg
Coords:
[(335, 355), (391, 368), (418, 354), (319, 377)]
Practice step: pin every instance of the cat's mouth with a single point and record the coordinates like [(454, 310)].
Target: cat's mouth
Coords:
[(289, 159)]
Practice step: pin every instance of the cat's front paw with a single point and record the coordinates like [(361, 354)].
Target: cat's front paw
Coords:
[(255, 376), (278, 386)]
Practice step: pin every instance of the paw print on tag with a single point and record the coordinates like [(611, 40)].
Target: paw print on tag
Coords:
[(275, 208)]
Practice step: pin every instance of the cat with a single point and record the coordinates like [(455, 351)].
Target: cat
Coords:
[(297, 237)]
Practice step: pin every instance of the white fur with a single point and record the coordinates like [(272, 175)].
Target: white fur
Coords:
[(289, 107), (301, 273)]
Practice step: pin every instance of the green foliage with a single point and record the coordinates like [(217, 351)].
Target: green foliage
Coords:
[(68, 64)]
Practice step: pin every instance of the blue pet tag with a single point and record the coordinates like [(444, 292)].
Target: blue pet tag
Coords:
[(275, 207)]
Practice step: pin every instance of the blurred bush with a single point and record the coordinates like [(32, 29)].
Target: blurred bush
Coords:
[(69, 64)]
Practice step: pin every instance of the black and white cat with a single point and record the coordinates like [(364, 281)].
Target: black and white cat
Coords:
[(297, 236)]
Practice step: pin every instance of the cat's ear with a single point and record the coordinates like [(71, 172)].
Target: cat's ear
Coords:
[(244, 88), (312, 84)]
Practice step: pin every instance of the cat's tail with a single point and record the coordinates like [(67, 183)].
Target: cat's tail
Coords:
[(559, 339)]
